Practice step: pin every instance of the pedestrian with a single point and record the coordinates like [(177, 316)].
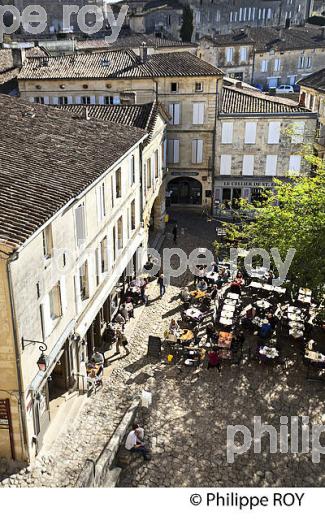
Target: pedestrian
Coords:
[(135, 444), (144, 297), (120, 320), (161, 283), (214, 360), (123, 311), (175, 230), (121, 341)]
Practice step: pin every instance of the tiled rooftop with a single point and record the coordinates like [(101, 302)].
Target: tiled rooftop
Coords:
[(133, 41), (315, 80), (117, 64), (48, 157), (240, 101)]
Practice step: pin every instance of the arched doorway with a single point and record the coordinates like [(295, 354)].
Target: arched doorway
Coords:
[(185, 190)]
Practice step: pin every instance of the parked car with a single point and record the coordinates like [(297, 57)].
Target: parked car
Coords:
[(284, 89)]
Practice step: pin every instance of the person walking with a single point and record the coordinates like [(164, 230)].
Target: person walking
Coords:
[(121, 341), (161, 283), (175, 231)]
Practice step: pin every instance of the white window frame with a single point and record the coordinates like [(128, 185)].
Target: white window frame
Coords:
[(198, 113), (197, 151), (174, 111)]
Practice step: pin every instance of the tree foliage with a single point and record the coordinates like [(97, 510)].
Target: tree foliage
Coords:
[(187, 25), (293, 216)]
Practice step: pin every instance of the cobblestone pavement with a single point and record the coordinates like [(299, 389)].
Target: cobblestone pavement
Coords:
[(187, 423)]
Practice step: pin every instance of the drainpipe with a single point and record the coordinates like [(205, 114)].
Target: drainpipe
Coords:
[(214, 139), (23, 419)]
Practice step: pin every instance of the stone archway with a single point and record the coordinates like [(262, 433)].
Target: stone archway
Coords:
[(185, 191)]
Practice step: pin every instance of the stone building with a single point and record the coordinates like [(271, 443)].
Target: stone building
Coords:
[(71, 227), (213, 17), (259, 138), (187, 86), (267, 58), (234, 53), (159, 17), (312, 96), (134, 42)]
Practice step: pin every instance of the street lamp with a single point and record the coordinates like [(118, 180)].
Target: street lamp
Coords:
[(42, 362)]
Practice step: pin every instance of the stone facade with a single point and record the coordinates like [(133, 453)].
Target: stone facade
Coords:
[(212, 18), (313, 97), (64, 296), (246, 165)]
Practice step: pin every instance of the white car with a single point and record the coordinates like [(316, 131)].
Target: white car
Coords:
[(284, 89)]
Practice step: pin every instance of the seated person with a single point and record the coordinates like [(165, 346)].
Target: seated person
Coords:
[(266, 330), (210, 332), (239, 278), (202, 285), (235, 287), (124, 312), (214, 359), (173, 327), (98, 358), (273, 320)]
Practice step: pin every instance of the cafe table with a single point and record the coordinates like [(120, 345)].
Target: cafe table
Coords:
[(229, 306), (233, 296), (263, 304), (194, 313)]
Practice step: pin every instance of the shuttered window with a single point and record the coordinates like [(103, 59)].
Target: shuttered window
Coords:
[(198, 113), (248, 165), (80, 224), (270, 166), (298, 132), (173, 151), (295, 163), (174, 110), (225, 165), (250, 132), (227, 133), (197, 151), (274, 132)]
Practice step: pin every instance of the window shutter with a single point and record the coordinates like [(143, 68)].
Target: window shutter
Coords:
[(93, 100), (170, 151), (225, 165), (274, 132), (195, 114), (201, 113), (295, 163), (199, 150), (271, 163), (227, 133), (99, 204), (194, 147), (250, 133), (46, 314), (176, 150), (176, 113), (70, 100), (77, 100), (101, 100), (248, 165), (80, 224), (46, 100), (55, 100)]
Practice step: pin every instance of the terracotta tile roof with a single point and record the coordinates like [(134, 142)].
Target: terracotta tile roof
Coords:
[(315, 80), (266, 38), (138, 116), (117, 64), (133, 41), (47, 158), (240, 101)]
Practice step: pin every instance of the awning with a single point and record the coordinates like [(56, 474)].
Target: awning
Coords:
[(41, 377)]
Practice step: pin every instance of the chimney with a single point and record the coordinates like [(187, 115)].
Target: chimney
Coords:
[(18, 57), (86, 113), (143, 52)]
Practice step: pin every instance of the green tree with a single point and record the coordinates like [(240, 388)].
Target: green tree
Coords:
[(187, 25), (291, 217)]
